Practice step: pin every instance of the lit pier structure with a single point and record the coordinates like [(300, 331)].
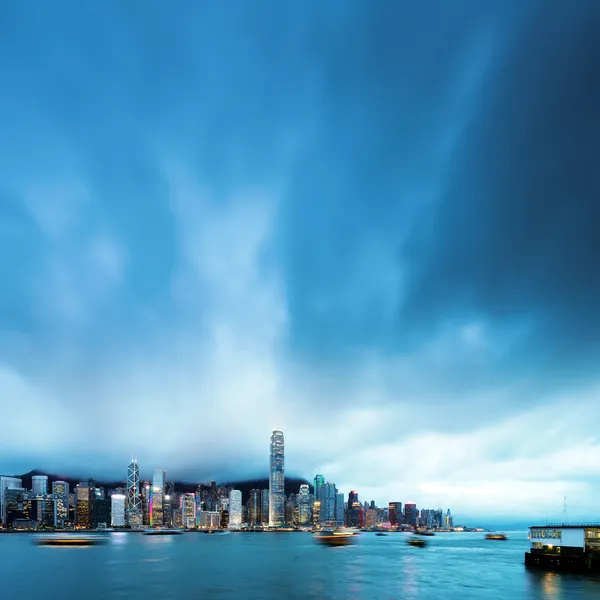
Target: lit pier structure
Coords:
[(573, 547)]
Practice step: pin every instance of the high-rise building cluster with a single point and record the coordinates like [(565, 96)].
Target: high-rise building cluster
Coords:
[(155, 503)]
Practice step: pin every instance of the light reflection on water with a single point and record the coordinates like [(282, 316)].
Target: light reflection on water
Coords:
[(272, 567)]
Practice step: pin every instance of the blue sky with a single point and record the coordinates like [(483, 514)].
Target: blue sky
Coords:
[(370, 224)]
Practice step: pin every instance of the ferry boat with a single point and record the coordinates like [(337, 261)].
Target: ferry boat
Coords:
[(158, 531), (415, 541), (381, 533), (335, 538), (70, 540), (496, 536), (573, 547), (424, 532)]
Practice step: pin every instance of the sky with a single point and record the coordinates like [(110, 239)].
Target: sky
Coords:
[(370, 224)]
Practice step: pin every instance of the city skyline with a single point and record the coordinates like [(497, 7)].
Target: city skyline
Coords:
[(373, 228)]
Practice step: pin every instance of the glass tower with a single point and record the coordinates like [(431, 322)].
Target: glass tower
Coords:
[(277, 481), (235, 509), (133, 500)]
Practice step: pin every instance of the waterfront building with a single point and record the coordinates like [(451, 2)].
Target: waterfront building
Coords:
[(355, 510), (340, 517), (168, 510), (83, 506), (188, 510), (254, 508), (101, 516), (117, 510), (7, 483), (60, 494), (395, 513), (563, 547), (316, 512), (133, 501), (449, 522), (411, 514), (209, 519), (291, 510), (39, 485), (328, 495), (277, 480), (157, 497), (304, 512), (14, 500), (371, 518), (264, 511), (235, 509)]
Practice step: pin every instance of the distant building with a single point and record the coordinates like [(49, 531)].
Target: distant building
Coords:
[(371, 518), (254, 508), (319, 483), (291, 510), (235, 509), (101, 512), (340, 516), (83, 506), (60, 493), (395, 513), (209, 519), (354, 512), (264, 511), (411, 514), (133, 502), (39, 485), (328, 495), (316, 512), (277, 480), (303, 499), (117, 510), (449, 521), (7, 483), (188, 510), (14, 505)]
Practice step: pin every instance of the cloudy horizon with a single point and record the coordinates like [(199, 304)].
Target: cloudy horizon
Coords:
[(370, 225)]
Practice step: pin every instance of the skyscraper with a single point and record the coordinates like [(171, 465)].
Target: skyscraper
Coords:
[(235, 509), (133, 502), (39, 485), (254, 508), (60, 491), (304, 512), (328, 493), (340, 516), (157, 498), (83, 506), (353, 514), (411, 514), (264, 510), (319, 482), (117, 510), (395, 513), (7, 483), (277, 481)]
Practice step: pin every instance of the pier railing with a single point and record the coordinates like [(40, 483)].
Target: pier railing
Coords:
[(556, 525)]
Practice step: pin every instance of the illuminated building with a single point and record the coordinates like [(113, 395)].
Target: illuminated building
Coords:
[(83, 506), (133, 502), (13, 504), (235, 509), (7, 483), (254, 508), (168, 510), (328, 493), (340, 517), (39, 485), (304, 512), (371, 518), (395, 513), (264, 510), (354, 512), (277, 481), (316, 512), (60, 493), (188, 511), (411, 514), (291, 510), (117, 510), (209, 519), (449, 523), (319, 482), (156, 506)]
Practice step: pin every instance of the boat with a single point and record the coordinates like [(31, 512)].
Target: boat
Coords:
[(495, 536), (418, 542), (335, 538), (381, 533), (162, 531), (70, 540), (424, 532)]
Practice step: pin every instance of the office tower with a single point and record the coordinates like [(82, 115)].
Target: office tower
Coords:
[(133, 503), (355, 511), (395, 513), (83, 506), (39, 485), (319, 482), (168, 510), (291, 509), (304, 512), (157, 493), (117, 510), (14, 497), (371, 518), (60, 492), (209, 519), (277, 481), (254, 508), (188, 510), (101, 516), (328, 493), (7, 483), (449, 523), (340, 517), (411, 514), (235, 509), (264, 510)]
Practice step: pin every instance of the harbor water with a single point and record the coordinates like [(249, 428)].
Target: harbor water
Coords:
[(265, 566)]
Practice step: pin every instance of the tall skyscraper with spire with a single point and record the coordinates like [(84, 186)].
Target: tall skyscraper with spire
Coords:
[(277, 481), (133, 512)]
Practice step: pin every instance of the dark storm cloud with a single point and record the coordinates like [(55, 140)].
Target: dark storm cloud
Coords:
[(514, 235)]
